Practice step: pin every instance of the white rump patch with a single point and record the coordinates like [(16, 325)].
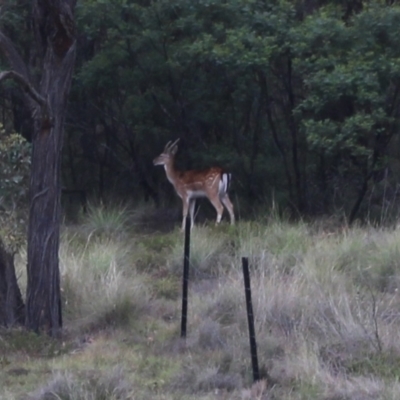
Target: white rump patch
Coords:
[(224, 183)]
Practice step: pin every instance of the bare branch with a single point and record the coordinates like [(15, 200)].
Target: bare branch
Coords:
[(165, 111), (14, 59), (26, 85)]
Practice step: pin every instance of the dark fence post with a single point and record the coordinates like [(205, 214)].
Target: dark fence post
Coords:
[(250, 319), (185, 281)]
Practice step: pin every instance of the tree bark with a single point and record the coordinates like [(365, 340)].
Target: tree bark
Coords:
[(53, 21), (55, 26)]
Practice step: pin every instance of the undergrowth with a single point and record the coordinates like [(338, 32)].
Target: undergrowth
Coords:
[(325, 303)]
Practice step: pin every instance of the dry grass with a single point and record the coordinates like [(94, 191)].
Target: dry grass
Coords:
[(325, 303)]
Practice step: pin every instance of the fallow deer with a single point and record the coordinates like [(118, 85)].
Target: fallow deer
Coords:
[(212, 183)]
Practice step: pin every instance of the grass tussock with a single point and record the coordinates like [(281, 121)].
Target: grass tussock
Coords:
[(106, 221), (107, 385), (98, 284), (325, 302)]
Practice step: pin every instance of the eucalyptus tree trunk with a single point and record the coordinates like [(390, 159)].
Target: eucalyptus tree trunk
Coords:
[(54, 24), (54, 56), (12, 309)]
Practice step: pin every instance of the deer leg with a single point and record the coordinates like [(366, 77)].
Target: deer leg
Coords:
[(192, 204), (219, 208), (185, 202), (229, 206)]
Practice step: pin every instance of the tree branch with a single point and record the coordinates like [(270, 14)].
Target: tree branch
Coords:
[(26, 85), (14, 59)]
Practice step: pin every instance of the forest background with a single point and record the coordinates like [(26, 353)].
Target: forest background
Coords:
[(298, 99)]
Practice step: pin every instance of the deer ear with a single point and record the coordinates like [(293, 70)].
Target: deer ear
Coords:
[(166, 147), (174, 150)]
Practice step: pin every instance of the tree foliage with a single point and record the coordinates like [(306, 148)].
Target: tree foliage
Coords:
[(298, 98)]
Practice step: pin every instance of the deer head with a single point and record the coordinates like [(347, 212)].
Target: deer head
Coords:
[(168, 153)]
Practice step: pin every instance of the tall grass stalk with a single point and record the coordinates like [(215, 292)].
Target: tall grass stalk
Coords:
[(98, 283)]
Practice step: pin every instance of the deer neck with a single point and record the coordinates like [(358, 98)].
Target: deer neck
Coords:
[(171, 172)]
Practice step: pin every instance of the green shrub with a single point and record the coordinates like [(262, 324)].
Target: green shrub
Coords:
[(15, 161)]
